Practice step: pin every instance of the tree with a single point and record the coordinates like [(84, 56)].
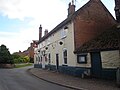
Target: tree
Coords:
[(20, 59), (26, 59), (5, 56), (16, 58)]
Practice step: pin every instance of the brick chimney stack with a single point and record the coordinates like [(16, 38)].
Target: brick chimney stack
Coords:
[(40, 32), (71, 8), (46, 32), (117, 10)]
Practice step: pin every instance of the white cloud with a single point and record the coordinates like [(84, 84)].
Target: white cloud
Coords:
[(49, 13), (42, 11), (45, 12), (18, 41)]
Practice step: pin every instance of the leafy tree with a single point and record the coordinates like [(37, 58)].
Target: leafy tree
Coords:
[(26, 59), (5, 56), (20, 59), (16, 58)]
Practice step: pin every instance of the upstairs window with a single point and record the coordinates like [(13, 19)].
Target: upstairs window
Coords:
[(64, 32)]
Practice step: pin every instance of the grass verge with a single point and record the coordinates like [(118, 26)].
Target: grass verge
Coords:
[(23, 65)]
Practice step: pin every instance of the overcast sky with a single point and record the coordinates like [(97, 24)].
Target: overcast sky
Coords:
[(20, 19)]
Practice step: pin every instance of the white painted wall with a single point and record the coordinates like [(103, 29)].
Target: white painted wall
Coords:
[(55, 48), (68, 43), (110, 59)]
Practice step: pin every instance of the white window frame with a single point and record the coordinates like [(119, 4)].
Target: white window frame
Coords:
[(82, 58), (64, 32), (65, 49)]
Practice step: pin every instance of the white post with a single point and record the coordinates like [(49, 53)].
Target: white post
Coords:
[(43, 62)]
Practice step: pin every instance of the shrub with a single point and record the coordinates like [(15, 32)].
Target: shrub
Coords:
[(20, 59), (5, 56), (26, 59)]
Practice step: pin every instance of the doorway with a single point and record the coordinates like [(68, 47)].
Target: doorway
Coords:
[(96, 64), (57, 61)]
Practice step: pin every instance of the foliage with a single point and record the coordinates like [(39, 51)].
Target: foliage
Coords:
[(5, 56), (20, 59), (26, 59)]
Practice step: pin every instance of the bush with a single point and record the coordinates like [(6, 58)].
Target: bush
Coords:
[(5, 56), (20, 59), (26, 59)]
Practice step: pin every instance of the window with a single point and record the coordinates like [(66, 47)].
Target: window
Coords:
[(65, 56), (49, 57), (64, 32), (40, 45), (82, 58), (41, 59)]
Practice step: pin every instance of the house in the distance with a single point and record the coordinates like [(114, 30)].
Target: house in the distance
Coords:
[(61, 48), (29, 52)]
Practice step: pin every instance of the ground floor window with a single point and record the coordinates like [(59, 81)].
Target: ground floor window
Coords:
[(82, 58), (49, 58), (65, 56)]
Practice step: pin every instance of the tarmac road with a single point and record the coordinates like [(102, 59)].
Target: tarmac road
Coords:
[(19, 79)]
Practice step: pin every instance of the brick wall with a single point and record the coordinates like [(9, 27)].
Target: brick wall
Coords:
[(90, 21)]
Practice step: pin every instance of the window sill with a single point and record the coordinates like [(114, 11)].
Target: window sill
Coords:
[(64, 65), (63, 37)]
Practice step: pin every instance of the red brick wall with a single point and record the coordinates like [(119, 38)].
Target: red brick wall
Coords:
[(31, 51), (90, 22)]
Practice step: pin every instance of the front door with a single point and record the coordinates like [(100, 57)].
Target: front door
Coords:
[(57, 61), (96, 64)]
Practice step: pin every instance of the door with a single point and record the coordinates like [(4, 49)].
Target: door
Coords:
[(57, 61), (96, 64)]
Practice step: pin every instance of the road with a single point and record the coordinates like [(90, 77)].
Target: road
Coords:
[(19, 79)]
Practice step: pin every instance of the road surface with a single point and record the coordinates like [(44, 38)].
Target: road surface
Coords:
[(19, 79)]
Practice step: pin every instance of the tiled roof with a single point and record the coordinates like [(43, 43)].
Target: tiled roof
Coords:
[(108, 40)]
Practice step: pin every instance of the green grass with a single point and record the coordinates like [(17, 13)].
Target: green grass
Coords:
[(23, 65)]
